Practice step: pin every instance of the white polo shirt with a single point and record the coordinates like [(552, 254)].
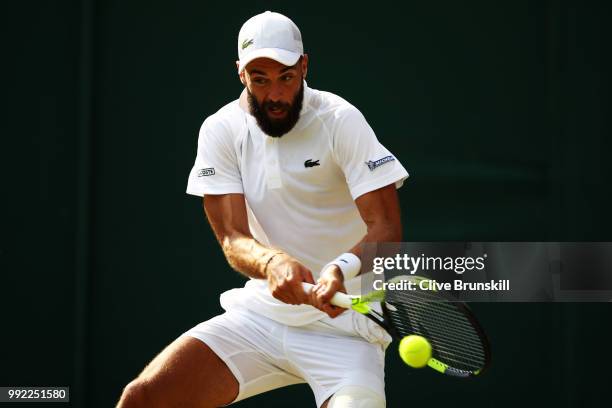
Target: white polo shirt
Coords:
[(299, 188)]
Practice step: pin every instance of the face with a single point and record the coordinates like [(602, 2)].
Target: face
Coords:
[(275, 93)]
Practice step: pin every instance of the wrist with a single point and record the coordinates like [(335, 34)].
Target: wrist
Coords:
[(348, 264), (270, 261), (333, 271)]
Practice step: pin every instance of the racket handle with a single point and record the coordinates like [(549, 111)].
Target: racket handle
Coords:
[(339, 299)]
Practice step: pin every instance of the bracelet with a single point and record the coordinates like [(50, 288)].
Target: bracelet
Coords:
[(349, 265), (265, 270)]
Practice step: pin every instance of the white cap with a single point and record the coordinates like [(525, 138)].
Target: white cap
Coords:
[(269, 35)]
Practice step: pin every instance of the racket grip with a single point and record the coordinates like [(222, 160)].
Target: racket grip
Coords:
[(339, 299)]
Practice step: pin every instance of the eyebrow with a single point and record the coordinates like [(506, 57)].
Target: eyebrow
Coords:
[(288, 68), (256, 71)]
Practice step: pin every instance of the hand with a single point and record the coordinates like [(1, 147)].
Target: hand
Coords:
[(330, 282), (285, 277)]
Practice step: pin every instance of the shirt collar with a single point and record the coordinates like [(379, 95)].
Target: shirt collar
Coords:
[(307, 98)]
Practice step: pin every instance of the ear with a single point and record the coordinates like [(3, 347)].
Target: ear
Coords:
[(240, 74), (304, 65)]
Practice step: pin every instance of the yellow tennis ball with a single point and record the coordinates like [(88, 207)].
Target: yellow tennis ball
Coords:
[(415, 351)]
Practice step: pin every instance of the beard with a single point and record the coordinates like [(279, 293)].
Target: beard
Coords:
[(276, 127)]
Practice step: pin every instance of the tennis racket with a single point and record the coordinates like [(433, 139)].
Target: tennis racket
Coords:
[(459, 345)]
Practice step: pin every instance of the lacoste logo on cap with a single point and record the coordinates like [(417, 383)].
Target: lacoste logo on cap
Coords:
[(206, 172), (310, 163), (377, 163), (246, 43)]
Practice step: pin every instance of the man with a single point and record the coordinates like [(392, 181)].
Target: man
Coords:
[(293, 180)]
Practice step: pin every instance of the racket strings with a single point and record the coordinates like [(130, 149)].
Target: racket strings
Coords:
[(451, 326), (454, 339), (463, 357), (452, 354), (445, 318), (444, 313), (469, 350)]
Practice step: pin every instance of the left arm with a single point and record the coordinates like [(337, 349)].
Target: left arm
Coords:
[(380, 211)]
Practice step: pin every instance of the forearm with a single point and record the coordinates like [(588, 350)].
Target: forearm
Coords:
[(379, 232), (247, 256), (228, 219), (381, 213), (283, 273)]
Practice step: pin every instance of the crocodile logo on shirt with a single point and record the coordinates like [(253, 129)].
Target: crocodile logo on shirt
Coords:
[(310, 163), (247, 42)]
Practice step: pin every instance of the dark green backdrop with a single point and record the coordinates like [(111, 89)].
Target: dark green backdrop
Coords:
[(499, 110)]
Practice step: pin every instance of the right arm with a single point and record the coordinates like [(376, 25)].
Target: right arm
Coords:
[(227, 216)]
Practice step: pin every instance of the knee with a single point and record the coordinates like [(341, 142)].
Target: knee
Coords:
[(135, 395), (356, 397)]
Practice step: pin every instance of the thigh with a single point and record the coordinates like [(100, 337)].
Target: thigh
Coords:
[(187, 373), (252, 347), (331, 361)]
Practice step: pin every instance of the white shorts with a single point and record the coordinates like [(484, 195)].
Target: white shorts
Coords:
[(264, 354)]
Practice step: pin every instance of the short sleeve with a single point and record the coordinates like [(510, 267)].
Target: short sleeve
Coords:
[(216, 169), (366, 163)]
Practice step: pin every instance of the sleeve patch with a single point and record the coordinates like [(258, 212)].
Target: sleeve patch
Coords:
[(372, 164), (206, 172)]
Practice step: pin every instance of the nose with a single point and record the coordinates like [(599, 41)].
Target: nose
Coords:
[(276, 93)]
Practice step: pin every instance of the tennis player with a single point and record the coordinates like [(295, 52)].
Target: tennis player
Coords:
[(293, 181)]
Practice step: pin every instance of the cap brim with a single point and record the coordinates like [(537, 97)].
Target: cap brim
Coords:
[(285, 57)]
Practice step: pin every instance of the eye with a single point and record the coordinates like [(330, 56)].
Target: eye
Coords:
[(260, 81), (287, 78)]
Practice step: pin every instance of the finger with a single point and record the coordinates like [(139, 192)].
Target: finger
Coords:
[(283, 297), (312, 300), (324, 304), (332, 311), (292, 289), (312, 296), (317, 300), (285, 292), (307, 277), (335, 313), (316, 295), (327, 291), (294, 296), (298, 293)]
